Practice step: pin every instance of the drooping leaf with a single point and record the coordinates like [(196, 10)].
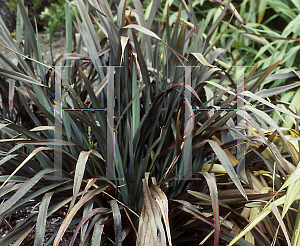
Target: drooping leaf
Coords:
[(227, 165)]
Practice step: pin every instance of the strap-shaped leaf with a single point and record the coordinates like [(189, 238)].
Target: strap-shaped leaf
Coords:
[(23, 190), (79, 172), (41, 220), (215, 204), (227, 165), (73, 212), (19, 76), (117, 222)]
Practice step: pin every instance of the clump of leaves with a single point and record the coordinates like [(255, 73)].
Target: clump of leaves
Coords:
[(177, 104)]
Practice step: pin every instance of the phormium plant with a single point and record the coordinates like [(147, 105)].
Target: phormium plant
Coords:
[(151, 201)]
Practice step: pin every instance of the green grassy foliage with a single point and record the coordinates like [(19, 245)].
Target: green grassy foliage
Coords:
[(151, 203)]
